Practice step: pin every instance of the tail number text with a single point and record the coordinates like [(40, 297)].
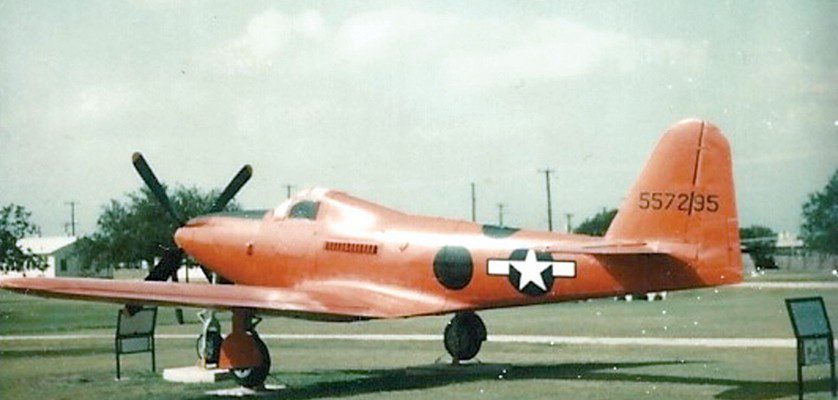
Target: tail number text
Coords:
[(686, 202)]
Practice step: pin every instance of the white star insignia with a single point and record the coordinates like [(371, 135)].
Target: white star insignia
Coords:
[(531, 270)]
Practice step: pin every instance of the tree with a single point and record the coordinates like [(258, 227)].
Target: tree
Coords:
[(820, 219), (135, 229), (598, 224), (760, 242), (14, 225)]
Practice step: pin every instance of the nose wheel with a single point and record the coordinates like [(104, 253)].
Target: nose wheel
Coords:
[(254, 377), (464, 335), (244, 353)]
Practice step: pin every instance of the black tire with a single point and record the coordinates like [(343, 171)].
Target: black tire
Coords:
[(464, 336), (254, 377)]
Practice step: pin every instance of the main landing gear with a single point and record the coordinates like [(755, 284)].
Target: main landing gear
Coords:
[(244, 353), (247, 356), (464, 335)]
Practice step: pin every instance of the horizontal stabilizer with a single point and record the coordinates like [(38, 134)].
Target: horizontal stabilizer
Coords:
[(618, 247)]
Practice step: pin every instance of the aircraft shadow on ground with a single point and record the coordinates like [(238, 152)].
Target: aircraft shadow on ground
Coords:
[(424, 377)]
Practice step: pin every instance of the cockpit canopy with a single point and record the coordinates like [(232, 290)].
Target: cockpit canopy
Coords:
[(303, 205), (305, 209), (342, 209)]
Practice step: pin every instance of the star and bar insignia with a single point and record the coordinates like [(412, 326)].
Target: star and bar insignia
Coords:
[(531, 272)]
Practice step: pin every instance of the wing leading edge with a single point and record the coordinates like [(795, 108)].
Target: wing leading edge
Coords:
[(339, 300)]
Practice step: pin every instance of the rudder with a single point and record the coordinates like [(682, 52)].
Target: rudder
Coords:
[(685, 195)]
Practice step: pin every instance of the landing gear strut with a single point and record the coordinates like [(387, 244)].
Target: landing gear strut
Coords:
[(464, 335), (208, 344), (244, 353)]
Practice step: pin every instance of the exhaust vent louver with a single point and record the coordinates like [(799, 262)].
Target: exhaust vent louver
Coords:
[(348, 247)]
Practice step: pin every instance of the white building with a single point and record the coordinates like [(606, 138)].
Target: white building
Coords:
[(789, 241), (58, 252)]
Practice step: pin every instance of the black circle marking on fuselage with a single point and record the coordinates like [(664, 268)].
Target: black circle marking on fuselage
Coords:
[(453, 267)]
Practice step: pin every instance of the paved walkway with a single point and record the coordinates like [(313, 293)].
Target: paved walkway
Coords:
[(789, 285), (529, 339)]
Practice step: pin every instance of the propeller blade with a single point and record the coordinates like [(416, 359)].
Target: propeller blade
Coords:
[(179, 316), (178, 311), (232, 188), (151, 181), (167, 267), (172, 259)]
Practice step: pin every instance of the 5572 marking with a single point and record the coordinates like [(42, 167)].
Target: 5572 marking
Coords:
[(681, 201)]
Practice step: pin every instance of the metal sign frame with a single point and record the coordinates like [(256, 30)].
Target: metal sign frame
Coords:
[(134, 335), (806, 340)]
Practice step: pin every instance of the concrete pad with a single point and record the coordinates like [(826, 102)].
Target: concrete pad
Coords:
[(268, 390), (195, 374)]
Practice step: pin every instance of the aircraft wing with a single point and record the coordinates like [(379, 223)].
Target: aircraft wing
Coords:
[(329, 300), (620, 247)]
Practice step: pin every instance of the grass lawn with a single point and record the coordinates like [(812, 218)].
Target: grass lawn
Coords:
[(327, 369)]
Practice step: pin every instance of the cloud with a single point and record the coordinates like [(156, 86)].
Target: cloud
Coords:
[(370, 34), (95, 104), (558, 49), (466, 51), (267, 36)]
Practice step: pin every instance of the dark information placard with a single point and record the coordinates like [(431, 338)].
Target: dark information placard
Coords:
[(135, 334), (815, 345)]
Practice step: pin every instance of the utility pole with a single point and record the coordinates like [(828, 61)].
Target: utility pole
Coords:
[(473, 204), (569, 222), (288, 190), (72, 205), (500, 213), (546, 173)]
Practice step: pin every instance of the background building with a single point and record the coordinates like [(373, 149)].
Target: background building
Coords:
[(58, 252)]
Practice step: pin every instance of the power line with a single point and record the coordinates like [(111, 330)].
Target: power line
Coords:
[(546, 173)]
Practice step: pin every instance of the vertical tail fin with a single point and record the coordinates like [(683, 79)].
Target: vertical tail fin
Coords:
[(685, 195)]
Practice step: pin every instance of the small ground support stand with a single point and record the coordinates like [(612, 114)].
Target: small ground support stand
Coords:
[(196, 374), (208, 347), (266, 391), (135, 334), (815, 343)]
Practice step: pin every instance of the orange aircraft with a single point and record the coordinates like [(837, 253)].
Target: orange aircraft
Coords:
[(325, 255)]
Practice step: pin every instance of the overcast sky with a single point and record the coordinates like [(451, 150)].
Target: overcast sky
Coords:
[(405, 103)]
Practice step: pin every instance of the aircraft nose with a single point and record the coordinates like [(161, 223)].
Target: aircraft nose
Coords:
[(217, 242), (184, 236)]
